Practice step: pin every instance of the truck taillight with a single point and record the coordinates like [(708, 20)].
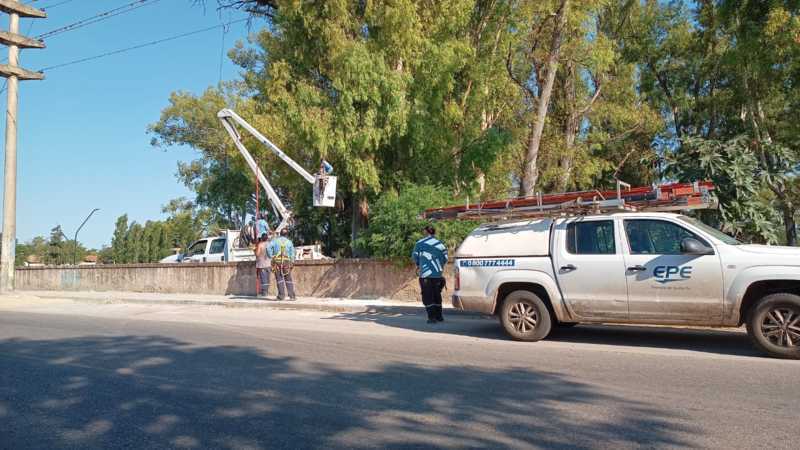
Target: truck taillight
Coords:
[(457, 281)]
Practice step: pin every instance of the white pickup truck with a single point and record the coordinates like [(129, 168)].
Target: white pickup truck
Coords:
[(222, 248), (643, 268), (228, 248)]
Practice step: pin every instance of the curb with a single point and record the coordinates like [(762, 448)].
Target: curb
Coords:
[(274, 304)]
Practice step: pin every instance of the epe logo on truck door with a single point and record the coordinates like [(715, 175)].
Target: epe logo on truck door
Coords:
[(668, 274)]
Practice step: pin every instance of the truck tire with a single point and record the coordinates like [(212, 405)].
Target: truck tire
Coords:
[(773, 325), (525, 317)]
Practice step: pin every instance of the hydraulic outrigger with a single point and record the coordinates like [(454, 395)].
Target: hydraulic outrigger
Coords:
[(324, 184)]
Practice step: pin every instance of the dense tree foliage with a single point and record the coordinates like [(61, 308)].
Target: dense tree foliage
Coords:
[(466, 99), (395, 224)]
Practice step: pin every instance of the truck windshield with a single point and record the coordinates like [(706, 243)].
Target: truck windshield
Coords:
[(710, 230)]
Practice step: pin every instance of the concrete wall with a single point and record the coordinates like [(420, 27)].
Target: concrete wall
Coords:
[(349, 278)]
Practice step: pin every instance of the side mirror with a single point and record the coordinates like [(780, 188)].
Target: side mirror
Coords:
[(691, 246)]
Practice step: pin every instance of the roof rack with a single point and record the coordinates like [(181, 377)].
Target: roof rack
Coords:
[(657, 198)]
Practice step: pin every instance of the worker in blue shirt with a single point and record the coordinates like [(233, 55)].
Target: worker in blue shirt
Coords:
[(281, 251), (262, 227), (430, 256)]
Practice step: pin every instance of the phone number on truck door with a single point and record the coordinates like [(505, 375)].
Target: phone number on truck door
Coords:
[(486, 263)]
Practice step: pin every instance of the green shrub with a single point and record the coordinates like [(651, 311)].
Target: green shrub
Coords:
[(395, 224)]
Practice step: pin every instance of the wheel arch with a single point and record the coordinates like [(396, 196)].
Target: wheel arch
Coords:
[(537, 289), (759, 289), (742, 290), (540, 283)]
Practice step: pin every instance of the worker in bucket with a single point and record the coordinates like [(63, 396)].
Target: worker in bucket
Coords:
[(263, 264), (325, 168), (430, 256), (281, 251)]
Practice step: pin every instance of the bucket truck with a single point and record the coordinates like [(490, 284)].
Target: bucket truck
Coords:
[(228, 246), (324, 191)]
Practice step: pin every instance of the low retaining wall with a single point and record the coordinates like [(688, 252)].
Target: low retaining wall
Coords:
[(346, 278)]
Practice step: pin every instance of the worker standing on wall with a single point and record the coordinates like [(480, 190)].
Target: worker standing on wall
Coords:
[(430, 256), (263, 265), (281, 251)]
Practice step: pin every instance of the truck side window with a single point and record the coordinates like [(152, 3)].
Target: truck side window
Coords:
[(591, 238), (657, 237), (198, 248), (217, 246)]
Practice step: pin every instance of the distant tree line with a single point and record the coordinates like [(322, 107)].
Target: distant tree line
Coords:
[(131, 242), (56, 249), (155, 239)]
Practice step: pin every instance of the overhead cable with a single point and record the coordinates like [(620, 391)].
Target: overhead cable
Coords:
[(136, 47), (54, 5), (97, 18)]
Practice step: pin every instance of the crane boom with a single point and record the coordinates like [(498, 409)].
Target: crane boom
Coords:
[(324, 185)]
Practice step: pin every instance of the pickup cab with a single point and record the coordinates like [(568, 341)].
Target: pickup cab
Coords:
[(227, 247), (633, 268), (210, 249), (222, 248)]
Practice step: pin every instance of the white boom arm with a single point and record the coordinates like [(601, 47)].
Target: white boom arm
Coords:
[(229, 120)]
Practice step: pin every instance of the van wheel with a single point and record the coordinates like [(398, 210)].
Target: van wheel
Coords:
[(774, 325), (525, 317)]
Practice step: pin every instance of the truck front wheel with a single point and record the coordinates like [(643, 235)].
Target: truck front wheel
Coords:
[(525, 317), (774, 325)]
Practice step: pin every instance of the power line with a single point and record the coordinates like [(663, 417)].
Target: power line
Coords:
[(54, 5), (136, 47), (97, 17), (49, 6), (222, 51)]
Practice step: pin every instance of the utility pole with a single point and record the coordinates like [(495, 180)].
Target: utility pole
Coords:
[(13, 73)]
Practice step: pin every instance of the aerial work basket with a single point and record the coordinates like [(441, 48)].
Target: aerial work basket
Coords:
[(324, 190)]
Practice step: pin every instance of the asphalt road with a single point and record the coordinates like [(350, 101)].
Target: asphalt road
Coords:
[(122, 376)]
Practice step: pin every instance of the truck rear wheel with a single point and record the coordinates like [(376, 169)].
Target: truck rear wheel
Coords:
[(525, 317), (774, 325)]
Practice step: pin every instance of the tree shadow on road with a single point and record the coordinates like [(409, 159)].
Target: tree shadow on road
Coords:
[(156, 392), (717, 341)]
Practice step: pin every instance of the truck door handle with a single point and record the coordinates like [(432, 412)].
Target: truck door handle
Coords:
[(568, 268), (637, 269)]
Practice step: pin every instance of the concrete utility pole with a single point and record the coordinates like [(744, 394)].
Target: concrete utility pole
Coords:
[(13, 73)]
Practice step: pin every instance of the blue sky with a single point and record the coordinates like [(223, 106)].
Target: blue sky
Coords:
[(82, 131)]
